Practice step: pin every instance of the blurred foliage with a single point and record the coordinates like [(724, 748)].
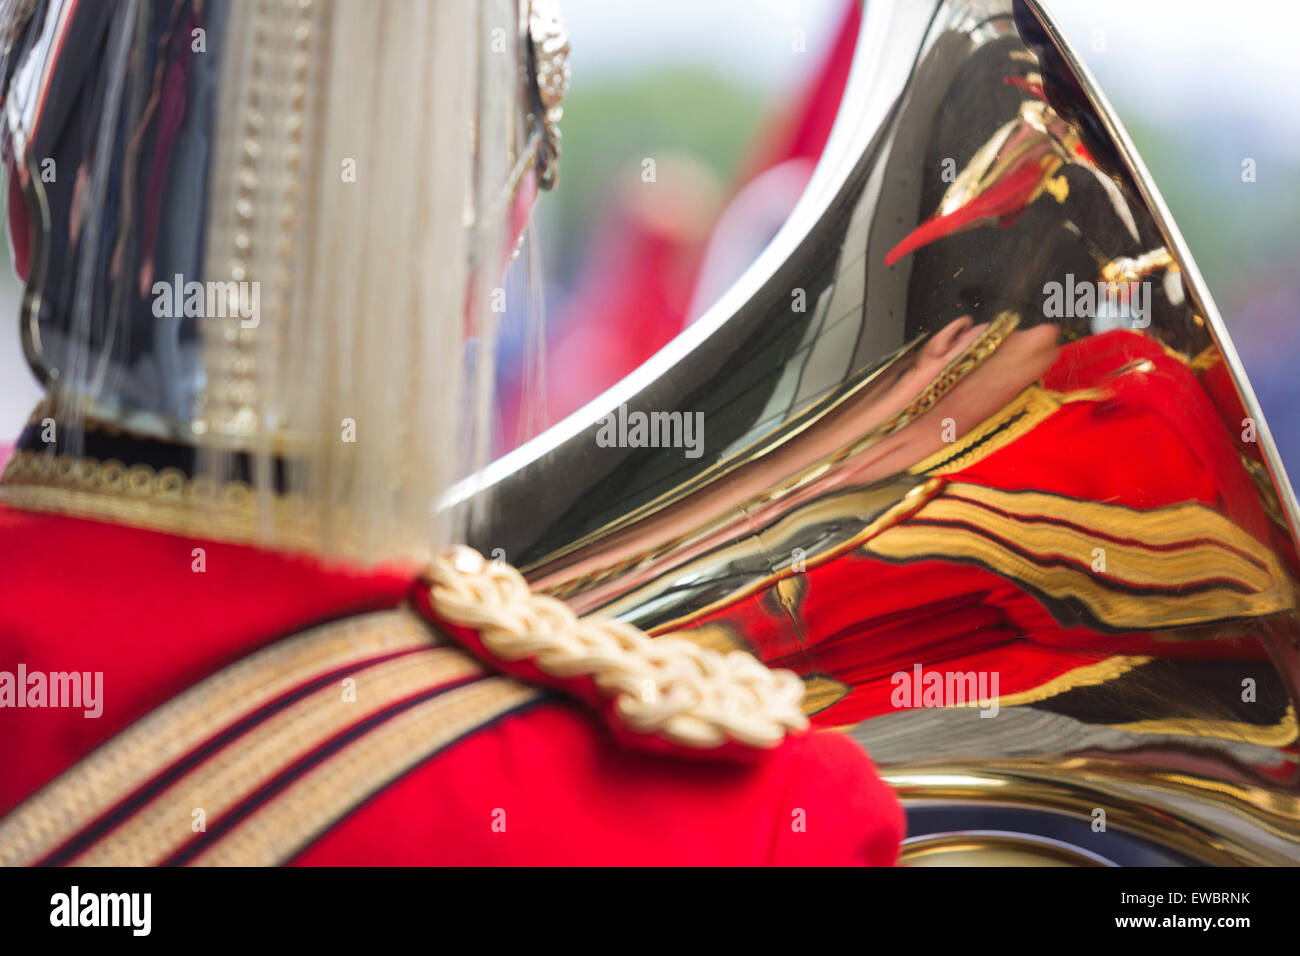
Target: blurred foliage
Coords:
[(611, 126)]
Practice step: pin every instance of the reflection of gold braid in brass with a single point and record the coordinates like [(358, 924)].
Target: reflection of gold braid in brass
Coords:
[(988, 342), (690, 695)]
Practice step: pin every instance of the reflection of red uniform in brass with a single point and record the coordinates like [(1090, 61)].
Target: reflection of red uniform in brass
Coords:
[(1019, 530)]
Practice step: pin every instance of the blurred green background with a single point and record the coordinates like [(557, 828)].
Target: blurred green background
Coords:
[(1200, 84)]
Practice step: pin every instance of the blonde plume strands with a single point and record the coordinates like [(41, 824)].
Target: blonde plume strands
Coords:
[(354, 145), (497, 82), (533, 416)]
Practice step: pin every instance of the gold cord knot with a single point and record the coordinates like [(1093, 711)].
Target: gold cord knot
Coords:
[(691, 695)]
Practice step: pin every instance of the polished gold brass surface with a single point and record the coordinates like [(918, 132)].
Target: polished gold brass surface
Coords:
[(1006, 451), (990, 849), (1217, 823)]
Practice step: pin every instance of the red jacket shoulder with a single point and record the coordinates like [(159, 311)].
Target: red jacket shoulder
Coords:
[(550, 786)]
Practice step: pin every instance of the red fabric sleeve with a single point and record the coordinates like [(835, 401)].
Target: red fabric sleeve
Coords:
[(92, 596), (570, 793), (549, 786)]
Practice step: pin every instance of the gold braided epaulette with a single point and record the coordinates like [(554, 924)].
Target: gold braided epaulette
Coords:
[(689, 695)]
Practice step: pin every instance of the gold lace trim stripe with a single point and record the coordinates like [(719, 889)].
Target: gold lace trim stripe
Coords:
[(1281, 734), (1019, 416), (1205, 359), (1171, 524), (1284, 732), (821, 692), (281, 828), (1113, 608), (1173, 566), (113, 772), (1202, 546), (1014, 420), (166, 500), (162, 827), (1086, 675)]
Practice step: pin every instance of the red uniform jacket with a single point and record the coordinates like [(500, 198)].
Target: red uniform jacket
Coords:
[(259, 708)]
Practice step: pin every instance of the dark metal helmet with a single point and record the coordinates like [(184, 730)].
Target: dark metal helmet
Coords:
[(252, 230)]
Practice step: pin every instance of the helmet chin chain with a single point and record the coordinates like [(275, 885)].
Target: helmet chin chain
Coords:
[(690, 695)]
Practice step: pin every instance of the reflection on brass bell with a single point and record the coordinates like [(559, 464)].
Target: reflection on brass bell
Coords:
[(1035, 550)]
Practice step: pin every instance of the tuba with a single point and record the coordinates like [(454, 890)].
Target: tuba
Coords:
[(978, 462)]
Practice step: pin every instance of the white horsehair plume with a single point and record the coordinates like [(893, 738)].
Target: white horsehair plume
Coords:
[(375, 126)]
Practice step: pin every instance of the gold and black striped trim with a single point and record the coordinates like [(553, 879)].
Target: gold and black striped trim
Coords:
[(1165, 567), (1095, 674), (1018, 417), (1030, 408), (159, 828), (141, 753), (160, 499), (284, 825)]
